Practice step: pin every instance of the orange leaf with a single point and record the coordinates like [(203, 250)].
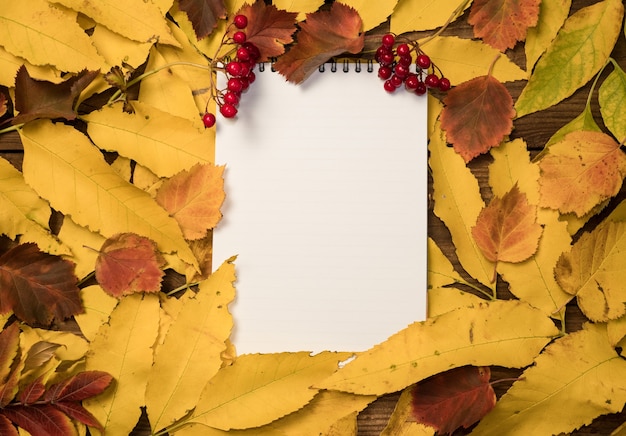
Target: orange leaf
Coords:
[(194, 198), (501, 23), (581, 171), (129, 263), (507, 229), (477, 116), (323, 35)]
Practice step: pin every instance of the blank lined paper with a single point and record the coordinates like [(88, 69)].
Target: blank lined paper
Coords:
[(326, 209)]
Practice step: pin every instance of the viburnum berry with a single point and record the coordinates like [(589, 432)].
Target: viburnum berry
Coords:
[(208, 119), (233, 68), (421, 88), (240, 21), (389, 86), (235, 85), (388, 40), (251, 77), (411, 82), (423, 61), (231, 98), (239, 37), (385, 72), (431, 81), (228, 110), (253, 51), (403, 50), (401, 71), (243, 54), (444, 84)]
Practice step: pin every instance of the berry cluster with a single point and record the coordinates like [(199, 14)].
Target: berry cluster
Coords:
[(239, 72), (395, 67)]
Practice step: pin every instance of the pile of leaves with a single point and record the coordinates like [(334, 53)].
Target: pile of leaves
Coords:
[(112, 311)]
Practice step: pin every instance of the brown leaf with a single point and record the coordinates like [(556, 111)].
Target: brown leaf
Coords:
[(129, 263), (581, 171), (32, 392), (40, 420), (6, 427), (79, 387), (42, 99), (501, 23), (323, 35), (507, 229), (194, 198), (203, 14), (78, 413), (9, 347), (3, 104), (37, 286), (40, 353), (478, 114), (456, 398), (269, 28)]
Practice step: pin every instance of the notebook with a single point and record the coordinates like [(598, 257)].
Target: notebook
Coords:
[(326, 210)]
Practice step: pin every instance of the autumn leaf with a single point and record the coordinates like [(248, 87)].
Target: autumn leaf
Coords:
[(129, 263), (507, 229), (42, 99), (410, 15), (3, 104), (41, 420), (38, 287), (268, 28), (9, 347), (501, 23), (6, 427), (478, 114), (203, 14), (372, 13), (611, 97), (580, 171), (323, 35), (552, 15), (452, 399)]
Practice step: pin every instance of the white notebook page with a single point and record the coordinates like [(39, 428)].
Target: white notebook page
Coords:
[(326, 209)]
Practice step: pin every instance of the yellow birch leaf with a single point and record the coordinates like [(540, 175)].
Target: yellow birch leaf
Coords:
[(594, 271), (435, 106), (579, 50), (83, 244), (511, 165), (303, 7), (584, 122), (141, 176), (260, 388), (72, 347), (616, 330), (23, 212), (123, 348), (440, 270), (190, 354), (612, 96), (458, 203), (169, 310), (504, 333), (116, 49), (346, 426), (443, 300), (66, 169), (415, 15), (578, 378), (400, 423), (552, 15), (9, 65), (164, 143), (98, 307), (134, 19), (372, 13)]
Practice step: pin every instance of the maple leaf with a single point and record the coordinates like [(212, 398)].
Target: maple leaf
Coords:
[(129, 263), (507, 229), (42, 99), (268, 28), (203, 14), (501, 23), (478, 114), (581, 171), (37, 286), (194, 198), (323, 35), (452, 399)]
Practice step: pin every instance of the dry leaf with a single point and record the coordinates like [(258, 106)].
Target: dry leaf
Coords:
[(203, 14)]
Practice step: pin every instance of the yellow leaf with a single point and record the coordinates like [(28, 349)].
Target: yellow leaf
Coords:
[(82, 242), (135, 19), (23, 212), (442, 300), (576, 379), (116, 49), (59, 160), (511, 165), (164, 143), (458, 203), (98, 307), (616, 330), (302, 6), (191, 352), (346, 426), (504, 333), (46, 35), (440, 270), (260, 388), (435, 106), (400, 423), (414, 15), (584, 122), (579, 50), (72, 347), (9, 65), (552, 15), (611, 97), (372, 13), (123, 348)]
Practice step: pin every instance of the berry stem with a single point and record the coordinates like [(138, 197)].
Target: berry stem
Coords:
[(460, 8)]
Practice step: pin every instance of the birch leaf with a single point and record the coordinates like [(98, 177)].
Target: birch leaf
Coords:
[(46, 35), (303, 7), (411, 15), (440, 270), (164, 143), (401, 424), (552, 15), (503, 333), (612, 96), (98, 307), (579, 50), (443, 300), (584, 122), (270, 386), (123, 348), (175, 384), (116, 49), (101, 200), (558, 386), (372, 14), (78, 238)]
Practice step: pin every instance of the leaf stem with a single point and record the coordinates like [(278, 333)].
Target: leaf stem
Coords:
[(11, 128), (86, 279), (182, 288), (460, 8)]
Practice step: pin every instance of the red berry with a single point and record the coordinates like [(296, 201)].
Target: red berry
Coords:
[(403, 50), (251, 77), (243, 54), (209, 120), (432, 81), (233, 68), (384, 72), (235, 85), (389, 87), (245, 83), (444, 84), (386, 59), (240, 21), (411, 82), (388, 40), (228, 110), (401, 71), (253, 50), (421, 88), (396, 81), (239, 37), (231, 98), (423, 61), (405, 60)]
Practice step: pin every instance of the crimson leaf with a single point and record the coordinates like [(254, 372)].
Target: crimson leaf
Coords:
[(203, 14), (32, 392), (6, 427), (40, 420), (83, 385)]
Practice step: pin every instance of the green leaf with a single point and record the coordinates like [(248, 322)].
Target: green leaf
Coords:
[(612, 99), (584, 121), (552, 15), (578, 52)]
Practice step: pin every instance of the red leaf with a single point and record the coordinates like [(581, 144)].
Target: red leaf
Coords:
[(9, 389), (501, 23), (83, 385), (478, 114), (79, 413), (41, 420), (9, 347), (3, 104), (6, 427), (203, 14), (323, 35), (456, 398), (129, 263), (38, 287), (32, 392), (268, 28), (42, 99)]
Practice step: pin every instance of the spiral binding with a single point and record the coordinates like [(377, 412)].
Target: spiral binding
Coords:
[(332, 65)]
